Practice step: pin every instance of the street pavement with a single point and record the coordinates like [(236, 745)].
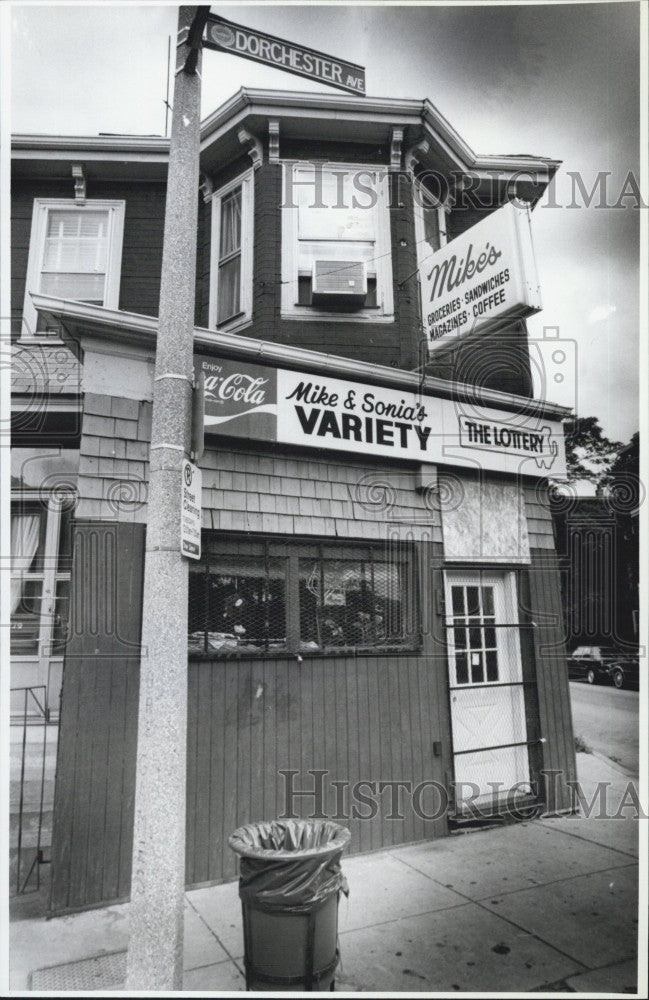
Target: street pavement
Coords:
[(546, 905), (607, 720)]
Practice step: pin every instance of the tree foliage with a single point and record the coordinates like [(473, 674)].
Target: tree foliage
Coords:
[(589, 453)]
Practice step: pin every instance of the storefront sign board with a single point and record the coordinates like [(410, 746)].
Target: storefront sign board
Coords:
[(264, 403), (480, 279)]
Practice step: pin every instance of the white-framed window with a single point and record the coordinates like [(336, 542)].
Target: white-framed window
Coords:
[(231, 259), (430, 223), (336, 245), (75, 252)]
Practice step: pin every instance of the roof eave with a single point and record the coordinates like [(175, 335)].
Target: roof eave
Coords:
[(133, 327)]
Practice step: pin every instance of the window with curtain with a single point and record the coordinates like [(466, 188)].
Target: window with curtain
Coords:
[(229, 300), (42, 518), (28, 523), (74, 253), (232, 237), (428, 231)]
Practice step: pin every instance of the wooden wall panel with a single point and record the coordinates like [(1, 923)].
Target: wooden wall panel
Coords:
[(372, 718), (95, 777), (552, 675), (351, 716)]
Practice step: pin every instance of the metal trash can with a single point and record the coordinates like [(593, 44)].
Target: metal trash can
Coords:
[(289, 883)]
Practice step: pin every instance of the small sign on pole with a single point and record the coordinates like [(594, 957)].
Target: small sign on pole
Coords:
[(226, 36), (190, 511)]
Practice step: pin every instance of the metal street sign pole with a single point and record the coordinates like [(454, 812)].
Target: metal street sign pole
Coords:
[(155, 957)]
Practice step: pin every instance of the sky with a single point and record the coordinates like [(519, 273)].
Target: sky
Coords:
[(550, 79)]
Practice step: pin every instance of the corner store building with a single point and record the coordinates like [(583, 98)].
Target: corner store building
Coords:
[(338, 557)]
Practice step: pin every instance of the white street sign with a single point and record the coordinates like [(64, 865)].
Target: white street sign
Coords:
[(190, 511)]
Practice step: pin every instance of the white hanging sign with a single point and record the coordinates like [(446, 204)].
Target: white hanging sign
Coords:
[(481, 278)]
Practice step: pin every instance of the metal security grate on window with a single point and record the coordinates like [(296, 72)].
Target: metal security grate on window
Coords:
[(237, 604), (357, 602)]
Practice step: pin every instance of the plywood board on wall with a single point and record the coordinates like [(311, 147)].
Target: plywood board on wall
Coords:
[(483, 519)]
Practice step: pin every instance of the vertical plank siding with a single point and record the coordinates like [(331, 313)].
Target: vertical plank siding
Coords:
[(555, 713), (357, 718), (95, 776)]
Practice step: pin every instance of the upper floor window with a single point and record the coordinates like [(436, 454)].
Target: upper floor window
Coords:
[(336, 250), (429, 223), (232, 240), (75, 252)]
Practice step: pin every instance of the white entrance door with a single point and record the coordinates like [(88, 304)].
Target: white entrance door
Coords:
[(485, 681)]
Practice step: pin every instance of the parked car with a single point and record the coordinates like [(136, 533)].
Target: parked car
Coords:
[(604, 664)]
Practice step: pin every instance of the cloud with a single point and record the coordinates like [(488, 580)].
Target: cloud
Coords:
[(600, 313)]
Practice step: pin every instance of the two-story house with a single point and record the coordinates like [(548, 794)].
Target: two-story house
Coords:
[(375, 619)]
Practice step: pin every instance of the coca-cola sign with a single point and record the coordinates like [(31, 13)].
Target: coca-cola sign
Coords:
[(480, 279), (240, 398)]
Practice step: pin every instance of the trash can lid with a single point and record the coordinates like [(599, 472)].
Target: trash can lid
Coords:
[(287, 839)]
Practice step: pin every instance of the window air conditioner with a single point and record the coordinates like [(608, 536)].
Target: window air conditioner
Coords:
[(339, 283)]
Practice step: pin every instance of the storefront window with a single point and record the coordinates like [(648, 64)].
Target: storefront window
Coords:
[(238, 605), (343, 598), (349, 602)]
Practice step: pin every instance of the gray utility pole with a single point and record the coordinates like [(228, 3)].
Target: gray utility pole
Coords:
[(155, 958)]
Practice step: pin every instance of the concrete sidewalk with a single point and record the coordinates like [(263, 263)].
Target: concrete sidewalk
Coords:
[(542, 905)]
